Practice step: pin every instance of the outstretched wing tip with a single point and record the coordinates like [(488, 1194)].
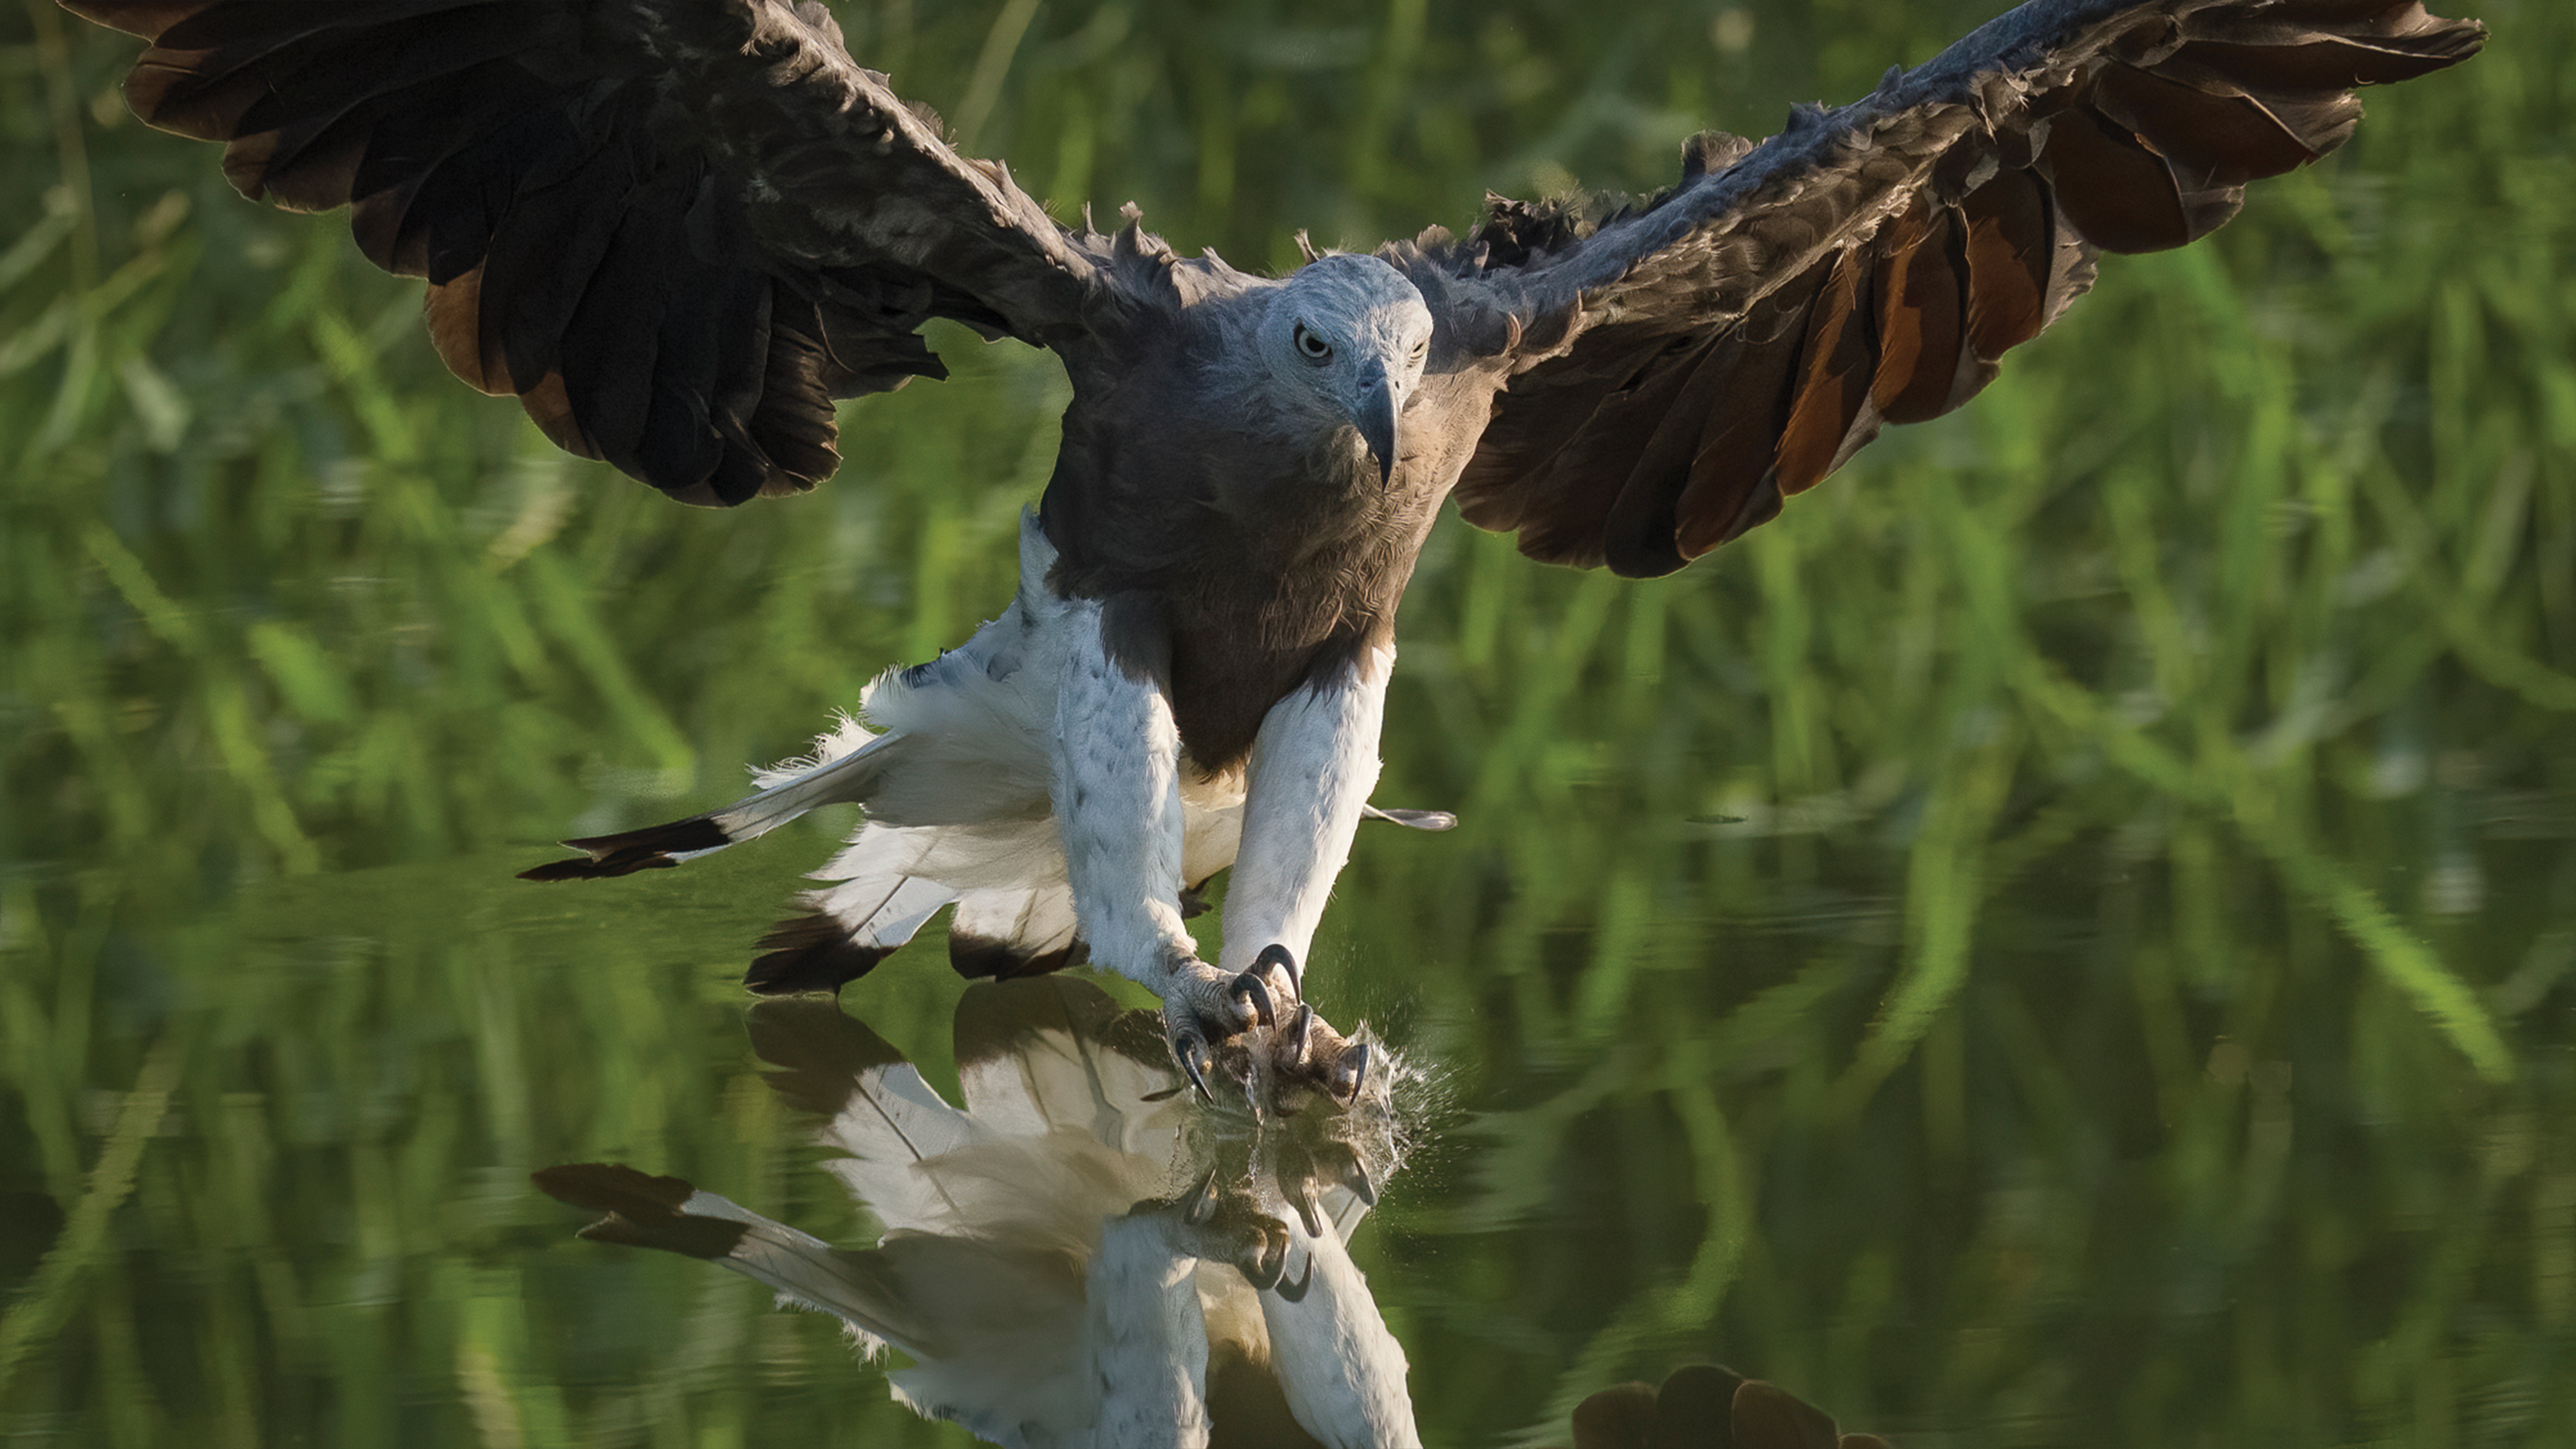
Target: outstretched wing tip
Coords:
[(1698, 356), (683, 301)]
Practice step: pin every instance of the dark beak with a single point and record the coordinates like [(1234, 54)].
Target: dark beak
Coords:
[(1375, 418)]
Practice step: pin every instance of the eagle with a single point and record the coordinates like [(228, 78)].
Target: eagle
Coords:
[(678, 231)]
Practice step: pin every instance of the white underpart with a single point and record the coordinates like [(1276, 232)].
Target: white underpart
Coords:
[(1030, 781), (1313, 765), (1118, 812), (958, 781)]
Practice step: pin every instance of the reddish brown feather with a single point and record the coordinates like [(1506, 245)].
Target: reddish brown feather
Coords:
[(1768, 1417), (1834, 375), (2009, 241), (1637, 534), (454, 313), (316, 175), (551, 410), (1921, 317)]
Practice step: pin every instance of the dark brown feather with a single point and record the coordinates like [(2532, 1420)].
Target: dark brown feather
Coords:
[(979, 958), (650, 848), (2213, 137), (2117, 193), (1969, 198), (1726, 493), (606, 199), (641, 1211)]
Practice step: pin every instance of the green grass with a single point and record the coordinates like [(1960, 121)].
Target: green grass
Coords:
[(2064, 937)]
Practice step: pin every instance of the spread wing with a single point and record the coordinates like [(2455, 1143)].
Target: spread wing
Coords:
[(1680, 368), (677, 231)]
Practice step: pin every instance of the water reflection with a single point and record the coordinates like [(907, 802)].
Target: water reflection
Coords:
[(1085, 1253), (1705, 1406)]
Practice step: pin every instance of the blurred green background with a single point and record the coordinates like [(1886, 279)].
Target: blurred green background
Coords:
[(2065, 937)]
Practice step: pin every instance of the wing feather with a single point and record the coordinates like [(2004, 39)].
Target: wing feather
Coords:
[(677, 231), (1873, 264)]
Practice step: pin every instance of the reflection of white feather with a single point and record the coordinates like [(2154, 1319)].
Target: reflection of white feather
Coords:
[(1035, 1263)]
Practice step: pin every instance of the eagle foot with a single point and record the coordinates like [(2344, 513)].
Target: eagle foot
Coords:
[(1205, 1012), (1304, 1048), (1221, 1224), (1253, 1027)]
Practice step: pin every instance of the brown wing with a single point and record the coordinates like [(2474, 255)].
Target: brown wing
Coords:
[(677, 231), (1683, 367)]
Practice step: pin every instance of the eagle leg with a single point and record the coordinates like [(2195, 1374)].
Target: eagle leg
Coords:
[(1307, 784), (1114, 782)]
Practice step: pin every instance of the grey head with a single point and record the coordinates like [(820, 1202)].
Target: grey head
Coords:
[(1343, 341)]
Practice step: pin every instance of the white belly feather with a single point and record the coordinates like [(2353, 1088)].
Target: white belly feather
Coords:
[(950, 761)]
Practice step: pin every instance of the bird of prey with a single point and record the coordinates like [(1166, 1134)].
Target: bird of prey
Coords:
[(678, 230), (1080, 1255)]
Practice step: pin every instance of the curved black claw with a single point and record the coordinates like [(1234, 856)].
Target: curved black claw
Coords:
[(1191, 1050), (1294, 1289), (1301, 1030), (1249, 987), (1281, 957), (1350, 1073)]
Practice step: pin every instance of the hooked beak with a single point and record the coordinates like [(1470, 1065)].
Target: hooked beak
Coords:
[(1375, 418)]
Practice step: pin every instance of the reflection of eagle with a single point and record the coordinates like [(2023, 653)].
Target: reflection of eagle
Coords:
[(1079, 1256), (678, 229)]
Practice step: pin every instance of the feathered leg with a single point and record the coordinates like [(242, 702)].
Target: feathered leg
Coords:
[(1117, 796), (1313, 764)]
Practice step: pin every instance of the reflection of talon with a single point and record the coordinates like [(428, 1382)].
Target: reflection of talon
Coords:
[(1294, 1289), (1310, 1210), (1201, 1204), (1269, 1262), (1355, 1176)]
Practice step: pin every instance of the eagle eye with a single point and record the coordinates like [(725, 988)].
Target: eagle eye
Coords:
[(1312, 347)]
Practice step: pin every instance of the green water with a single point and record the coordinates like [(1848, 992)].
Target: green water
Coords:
[(2067, 937)]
